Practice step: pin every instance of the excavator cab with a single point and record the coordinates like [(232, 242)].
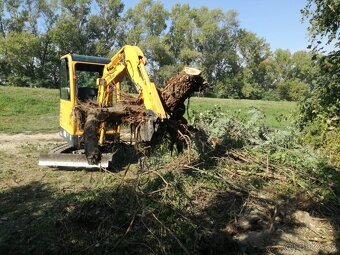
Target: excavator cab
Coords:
[(78, 75)]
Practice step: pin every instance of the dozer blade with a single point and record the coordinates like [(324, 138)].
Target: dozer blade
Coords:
[(72, 160)]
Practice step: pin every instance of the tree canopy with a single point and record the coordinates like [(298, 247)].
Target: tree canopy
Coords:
[(237, 63)]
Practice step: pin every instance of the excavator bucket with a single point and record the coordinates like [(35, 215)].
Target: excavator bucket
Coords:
[(65, 156)]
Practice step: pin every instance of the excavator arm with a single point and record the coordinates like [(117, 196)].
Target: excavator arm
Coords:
[(130, 61)]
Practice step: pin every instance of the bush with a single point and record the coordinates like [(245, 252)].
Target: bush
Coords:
[(292, 90), (323, 103), (271, 95), (250, 91), (320, 111), (230, 129)]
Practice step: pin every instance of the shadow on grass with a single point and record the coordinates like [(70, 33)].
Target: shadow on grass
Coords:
[(35, 220), (27, 216), (137, 218)]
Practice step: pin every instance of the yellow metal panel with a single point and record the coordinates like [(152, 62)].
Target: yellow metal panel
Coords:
[(132, 59), (66, 106), (66, 118)]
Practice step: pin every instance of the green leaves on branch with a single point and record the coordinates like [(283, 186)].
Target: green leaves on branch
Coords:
[(323, 104), (324, 20)]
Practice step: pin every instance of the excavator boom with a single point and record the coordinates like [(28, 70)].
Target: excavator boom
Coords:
[(128, 61)]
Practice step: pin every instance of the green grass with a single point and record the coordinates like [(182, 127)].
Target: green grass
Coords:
[(278, 113), (36, 109), (28, 110)]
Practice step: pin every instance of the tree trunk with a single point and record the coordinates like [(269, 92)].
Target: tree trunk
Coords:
[(180, 87)]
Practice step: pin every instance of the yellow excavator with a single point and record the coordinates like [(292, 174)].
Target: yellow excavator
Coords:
[(84, 78)]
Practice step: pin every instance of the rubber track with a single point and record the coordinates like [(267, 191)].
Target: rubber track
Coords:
[(61, 148)]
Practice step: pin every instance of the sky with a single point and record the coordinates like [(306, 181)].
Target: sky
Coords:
[(278, 21)]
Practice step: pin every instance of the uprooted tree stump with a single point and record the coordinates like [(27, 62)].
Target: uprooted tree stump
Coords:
[(179, 88), (130, 110), (92, 151)]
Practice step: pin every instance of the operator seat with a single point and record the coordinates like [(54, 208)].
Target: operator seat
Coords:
[(86, 93)]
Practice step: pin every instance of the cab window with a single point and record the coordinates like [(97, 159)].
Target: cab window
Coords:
[(64, 80), (86, 77)]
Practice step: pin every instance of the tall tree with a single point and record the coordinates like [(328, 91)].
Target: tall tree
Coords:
[(70, 31), (145, 26), (255, 65), (104, 30), (283, 59), (216, 41), (181, 34), (304, 67), (47, 57), (19, 41)]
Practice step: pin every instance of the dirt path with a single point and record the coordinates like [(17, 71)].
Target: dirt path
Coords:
[(17, 138), (9, 142), (284, 231)]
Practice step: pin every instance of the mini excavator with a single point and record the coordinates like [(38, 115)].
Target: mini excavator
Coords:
[(76, 73), (84, 78)]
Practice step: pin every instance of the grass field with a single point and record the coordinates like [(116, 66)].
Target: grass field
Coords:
[(36, 109), (25, 110), (278, 114)]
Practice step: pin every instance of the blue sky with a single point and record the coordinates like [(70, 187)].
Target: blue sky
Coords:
[(278, 21)]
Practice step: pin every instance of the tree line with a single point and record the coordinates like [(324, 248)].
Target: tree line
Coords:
[(236, 62)]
